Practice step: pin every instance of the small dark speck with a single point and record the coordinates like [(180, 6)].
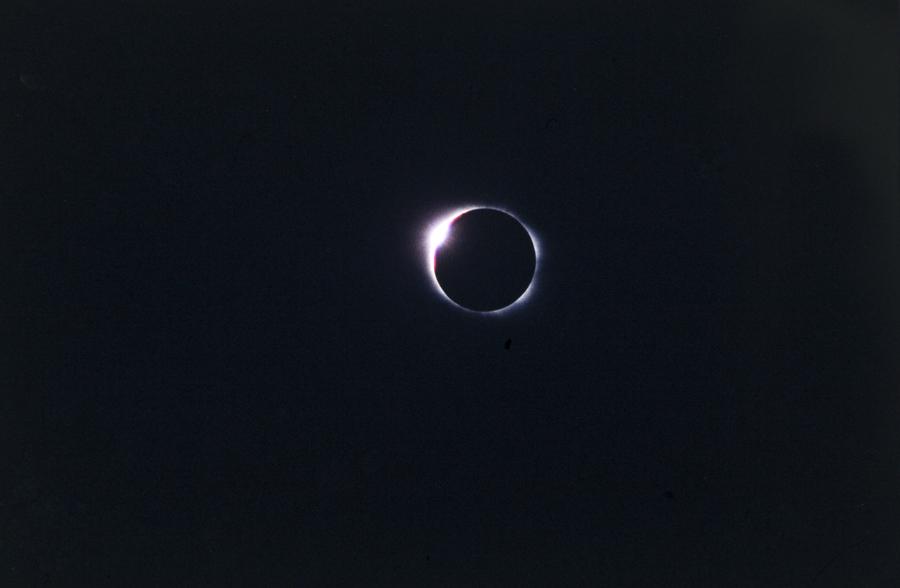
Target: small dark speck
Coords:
[(508, 344), (669, 494)]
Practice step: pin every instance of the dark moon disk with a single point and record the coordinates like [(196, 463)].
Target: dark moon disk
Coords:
[(487, 260)]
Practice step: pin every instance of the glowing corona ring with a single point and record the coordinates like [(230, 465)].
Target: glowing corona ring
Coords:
[(437, 235)]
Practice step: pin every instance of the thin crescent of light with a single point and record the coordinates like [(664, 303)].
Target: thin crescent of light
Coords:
[(437, 234)]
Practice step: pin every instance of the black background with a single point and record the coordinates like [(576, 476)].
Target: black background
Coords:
[(224, 362)]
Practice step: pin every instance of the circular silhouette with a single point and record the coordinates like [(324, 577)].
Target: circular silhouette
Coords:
[(485, 261)]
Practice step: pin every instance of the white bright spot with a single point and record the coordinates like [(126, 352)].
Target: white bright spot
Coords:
[(438, 233)]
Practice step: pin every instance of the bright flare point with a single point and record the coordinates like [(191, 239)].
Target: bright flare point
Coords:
[(439, 232)]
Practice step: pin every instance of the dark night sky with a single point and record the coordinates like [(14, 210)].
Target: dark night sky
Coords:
[(224, 364)]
